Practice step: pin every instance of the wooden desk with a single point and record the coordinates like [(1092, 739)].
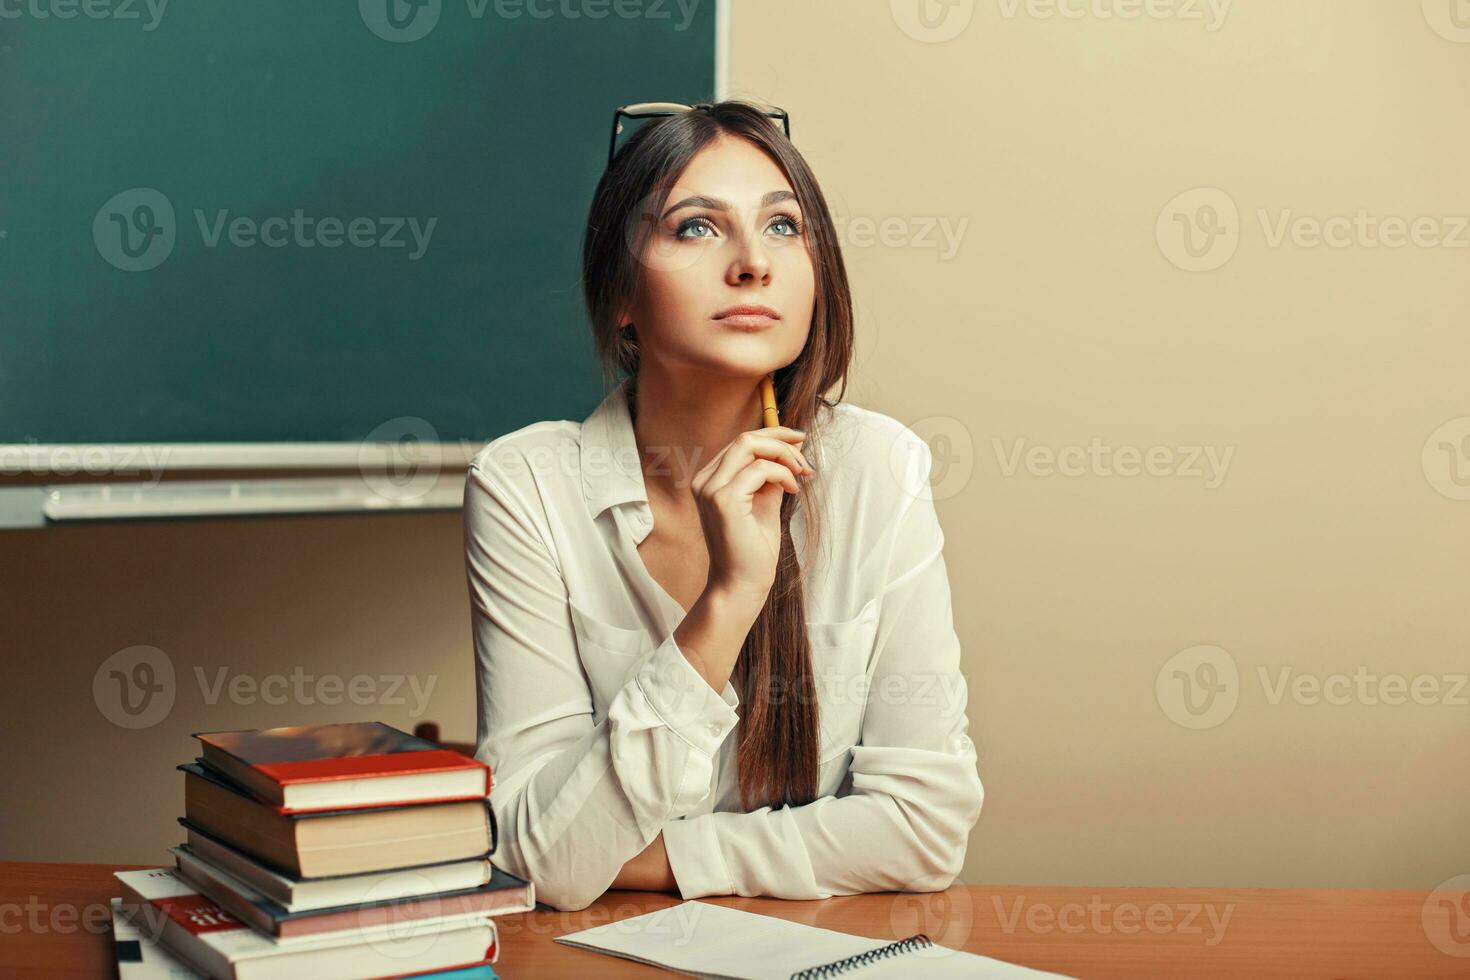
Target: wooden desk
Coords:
[(54, 922)]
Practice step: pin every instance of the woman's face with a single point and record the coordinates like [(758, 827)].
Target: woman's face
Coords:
[(729, 233)]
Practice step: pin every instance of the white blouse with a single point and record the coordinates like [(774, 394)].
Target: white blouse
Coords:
[(600, 734)]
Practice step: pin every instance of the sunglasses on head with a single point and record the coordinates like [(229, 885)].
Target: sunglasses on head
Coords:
[(645, 110)]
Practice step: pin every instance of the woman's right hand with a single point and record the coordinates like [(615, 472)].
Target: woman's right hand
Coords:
[(738, 495)]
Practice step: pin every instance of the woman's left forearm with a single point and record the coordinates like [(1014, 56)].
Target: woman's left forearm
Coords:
[(649, 871)]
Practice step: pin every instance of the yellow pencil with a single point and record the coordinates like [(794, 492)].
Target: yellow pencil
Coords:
[(769, 415)]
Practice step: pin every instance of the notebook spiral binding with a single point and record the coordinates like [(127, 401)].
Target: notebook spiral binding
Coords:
[(916, 941)]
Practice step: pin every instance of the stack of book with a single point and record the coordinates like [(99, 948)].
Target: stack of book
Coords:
[(341, 851)]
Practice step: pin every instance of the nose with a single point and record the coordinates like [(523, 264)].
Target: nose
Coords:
[(751, 261)]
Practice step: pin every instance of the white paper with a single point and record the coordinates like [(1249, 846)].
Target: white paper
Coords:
[(706, 940)]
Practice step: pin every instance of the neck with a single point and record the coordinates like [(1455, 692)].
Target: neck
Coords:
[(682, 421)]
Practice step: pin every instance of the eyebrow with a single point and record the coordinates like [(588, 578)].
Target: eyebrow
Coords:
[(715, 204)]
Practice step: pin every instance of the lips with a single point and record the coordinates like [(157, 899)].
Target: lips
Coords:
[(748, 312), (747, 322)]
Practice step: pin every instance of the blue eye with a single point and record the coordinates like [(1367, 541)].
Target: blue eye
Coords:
[(689, 224), (790, 220)]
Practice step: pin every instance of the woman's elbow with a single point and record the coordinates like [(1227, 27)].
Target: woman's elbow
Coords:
[(936, 867), (566, 896), (940, 843), (560, 887)]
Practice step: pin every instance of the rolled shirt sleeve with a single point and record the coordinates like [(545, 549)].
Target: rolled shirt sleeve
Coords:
[(916, 790), (574, 801)]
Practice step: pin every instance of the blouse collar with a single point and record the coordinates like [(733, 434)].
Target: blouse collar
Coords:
[(611, 470)]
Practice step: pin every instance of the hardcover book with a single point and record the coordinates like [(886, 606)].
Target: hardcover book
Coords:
[(334, 767)]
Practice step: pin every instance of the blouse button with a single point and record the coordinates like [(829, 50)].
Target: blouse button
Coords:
[(714, 728)]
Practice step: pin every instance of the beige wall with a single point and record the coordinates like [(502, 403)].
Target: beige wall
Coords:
[(1324, 548), (1055, 144)]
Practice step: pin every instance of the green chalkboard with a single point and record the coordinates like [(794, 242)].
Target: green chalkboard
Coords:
[(296, 220)]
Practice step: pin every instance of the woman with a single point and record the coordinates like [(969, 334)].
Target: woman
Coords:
[(713, 656)]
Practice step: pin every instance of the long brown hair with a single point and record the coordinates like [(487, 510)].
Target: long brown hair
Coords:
[(778, 729)]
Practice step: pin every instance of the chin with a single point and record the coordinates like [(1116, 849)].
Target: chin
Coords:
[(752, 369)]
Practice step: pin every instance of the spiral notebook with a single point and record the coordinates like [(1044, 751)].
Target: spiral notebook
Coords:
[(706, 940)]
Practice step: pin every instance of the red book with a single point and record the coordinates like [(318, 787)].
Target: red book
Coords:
[(336, 767)]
